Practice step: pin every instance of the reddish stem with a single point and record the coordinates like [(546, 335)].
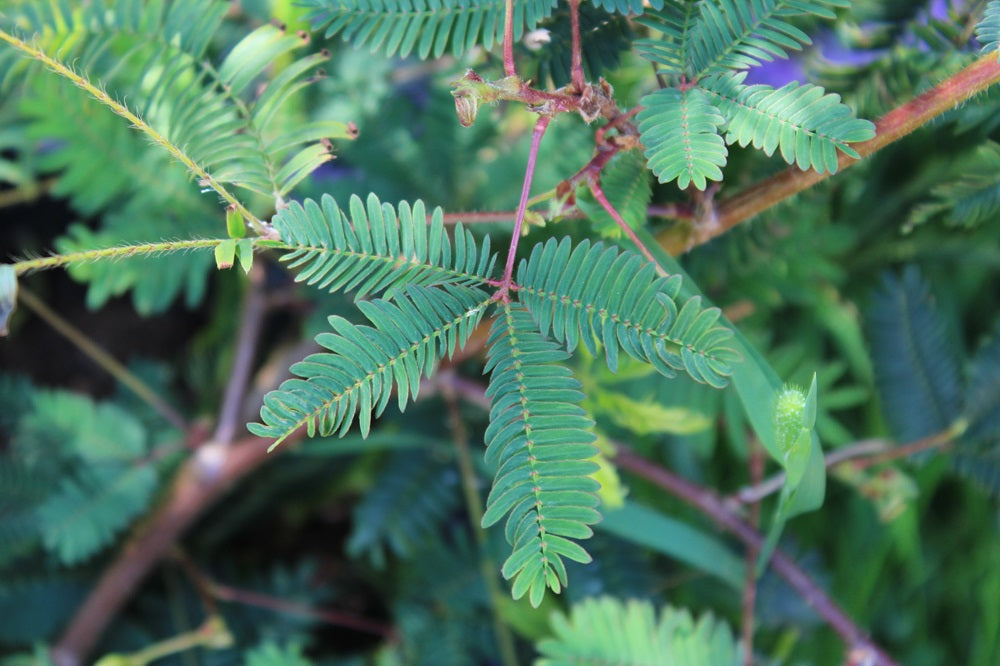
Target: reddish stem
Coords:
[(598, 193), (522, 207), (508, 39), (576, 57)]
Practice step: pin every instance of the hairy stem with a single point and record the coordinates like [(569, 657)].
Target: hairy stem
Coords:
[(522, 207), (474, 507), (102, 359), (893, 126), (60, 260), (714, 506), (137, 122)]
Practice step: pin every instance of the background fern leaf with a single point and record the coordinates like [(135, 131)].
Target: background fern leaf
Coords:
[(597, 295), (428, 27), (373, 248), (539, 441), (680, 129), (915, 358), (675, 21), (628, 7), (735, 34), (409, 502), (364, 364), (988, 29), (608, 631), (806, 125), (604, 38), (978, 454), (86, 513), (968, 201)]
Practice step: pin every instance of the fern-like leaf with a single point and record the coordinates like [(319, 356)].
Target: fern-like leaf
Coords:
[(356, 378), (85, 514), (604, 37), (607, 631), (408, 503), (539, 441), (428, 27), (596, 294), (969, 201), (737, 34), (805, 124), (680, 129), (372, 248), (982, 395), (916, 363), (675, 22), (988, 29), (628, 7)]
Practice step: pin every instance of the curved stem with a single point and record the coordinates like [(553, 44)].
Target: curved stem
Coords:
[(893, 126)]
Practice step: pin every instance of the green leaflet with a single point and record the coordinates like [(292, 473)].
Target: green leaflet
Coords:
[(605, 630), (988, 29), (806, 125), (737, 34), (709, 37), (373, 248), (917, 367), (426, 27), (680, 129), (592, 294), (356, 377), (83, 515), (675, 22), (539, 442)]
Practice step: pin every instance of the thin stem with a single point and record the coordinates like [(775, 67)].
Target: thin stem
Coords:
[(714, 506), (508, 39), (60, 260), (474, 507), (140, 124), (576, 56), (756, 467), (25, 193), (896, 124), (251, 321), (529, 173), (869, 451), (215, 590), (598, 193), (102, 359)]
